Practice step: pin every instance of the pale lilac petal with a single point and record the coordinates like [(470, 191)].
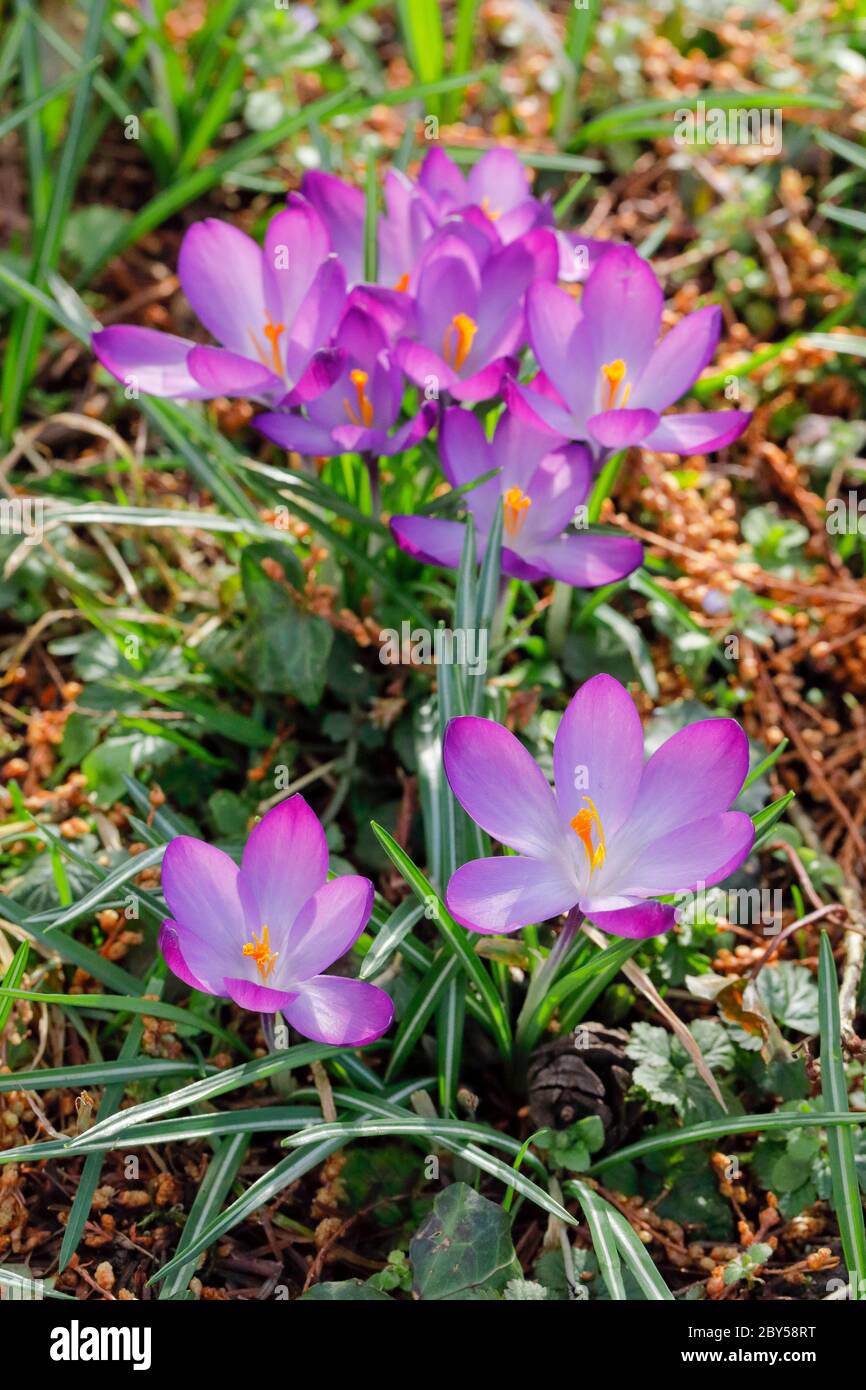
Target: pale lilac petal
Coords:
[(316, 320), (169, 944), (620, 429), (499, 784), (200, 885), (598, 753), (323, 371), (463, 447), (500, 178), (431, 539), (296, 246), (501, 895), (586, 560), (407, 435), (563, 353), (260, 999), (442, 179), (224, 373), (346, 1013), (295, 433), (542, 409), (480, 386), (220, 271), (642, 920), (679, 359), (699, 854), (341, 207), (285, 861), (697, 771), (327, 926), (557, 486), (147, 361), (622, 305), (425, 367), (697, 433)]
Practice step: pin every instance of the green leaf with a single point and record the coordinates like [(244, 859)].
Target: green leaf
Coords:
[(464, 1249), (344, 1291), (847, 1202), (791, 994), (283, 646)]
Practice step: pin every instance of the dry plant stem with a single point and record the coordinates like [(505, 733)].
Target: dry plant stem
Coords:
[(854, 940), (644, 984), (322, 1083)]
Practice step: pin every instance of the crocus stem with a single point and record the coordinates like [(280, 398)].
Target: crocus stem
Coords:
[(507, 594), (540, 983), (558, 615), (375, 491), (604, 485)]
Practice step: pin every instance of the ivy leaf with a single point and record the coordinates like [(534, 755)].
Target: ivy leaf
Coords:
[(464, 1249)]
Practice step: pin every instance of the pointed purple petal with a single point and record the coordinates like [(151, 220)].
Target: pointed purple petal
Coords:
[(480, 386), (341, 207), (499, 784), (431, 539), (148, 361), (294, 432), (695, 855), (346, 1013), (285, 861), (425, 367), (697, 433), (679, 359), (587, 561), (200, 885), (261, 999), (638, 922), (620, 429), (224, 373), (699, 770), (220, 270), (327, 926), (598, 753), (501, 895), (622, 308), (169, 944)]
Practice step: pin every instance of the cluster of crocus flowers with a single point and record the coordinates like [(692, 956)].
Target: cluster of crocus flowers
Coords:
[(540, 485), (264, 934), (466, 279), (616, 834)]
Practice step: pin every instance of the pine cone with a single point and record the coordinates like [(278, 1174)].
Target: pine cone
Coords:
[(582, 1073)]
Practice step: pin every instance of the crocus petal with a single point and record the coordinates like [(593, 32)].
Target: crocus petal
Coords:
[(200, 885), (498, 182), (499, 784), (294, 432), (431, 539), (563, 353), (638, 922), (557, 486), (679, 359), (316, 319), (622, 305), (441, 178), (619, 429), (148, 361), (598, 753), (480, 386), (586, 561), (501, 895), (697, 771), (341, 207), (698, 432), (411, 432), (260, 999), (285, 861), (169, 944), (220, 271), (224, 373), (296, 246), (324, 369), (346, 1013), (328, 925), (699, 854), (425, 367), (542, 408)]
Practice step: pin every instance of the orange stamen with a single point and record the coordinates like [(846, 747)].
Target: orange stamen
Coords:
[(493, 213), (582, 824), (614, 374), (359, 380), (272, 332), (463, 329), (261, 952), (403, 283), (516, 505)]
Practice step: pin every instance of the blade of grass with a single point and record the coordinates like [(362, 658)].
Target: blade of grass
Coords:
[(604, 1243), (847, 1202), (222, 1172)]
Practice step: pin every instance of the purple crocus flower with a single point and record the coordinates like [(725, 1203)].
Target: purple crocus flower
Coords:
[(271, 308), (541, 484), (604, 377), (357, 413), (616, 833), (469, 315), (262, 934)]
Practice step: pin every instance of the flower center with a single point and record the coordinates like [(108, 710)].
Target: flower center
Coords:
[(516, 505), (493, 213), (272, 332), (364, 416), (457, 341), (614, 374), (261, 952), (582, 824)]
